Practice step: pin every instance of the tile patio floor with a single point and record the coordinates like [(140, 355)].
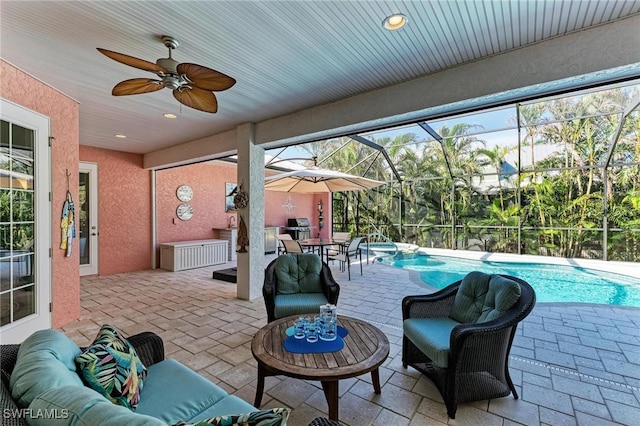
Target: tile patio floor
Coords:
[(571, 363)]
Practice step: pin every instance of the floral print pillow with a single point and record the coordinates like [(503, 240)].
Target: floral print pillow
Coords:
[(112, 367), (273, 417)]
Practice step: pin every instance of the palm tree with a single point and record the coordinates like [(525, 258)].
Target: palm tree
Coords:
[(496, 159)]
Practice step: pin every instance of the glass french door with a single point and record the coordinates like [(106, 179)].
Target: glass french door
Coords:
[(25, 223), (88, 218)]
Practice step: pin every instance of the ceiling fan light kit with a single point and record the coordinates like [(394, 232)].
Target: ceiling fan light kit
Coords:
[(192, 84)]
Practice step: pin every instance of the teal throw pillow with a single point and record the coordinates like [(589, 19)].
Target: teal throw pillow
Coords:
[(286, 270), (273, 417), (469, 301), (309, 268), (111, 367), (502, 295)]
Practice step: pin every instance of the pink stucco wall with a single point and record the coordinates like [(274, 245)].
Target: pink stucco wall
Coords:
[(305, 206), (63, 113), (124, 211), (208, 183)]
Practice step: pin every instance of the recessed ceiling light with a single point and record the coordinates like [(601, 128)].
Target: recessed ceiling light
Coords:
[(394, 22), (169, 115), (121, 136)]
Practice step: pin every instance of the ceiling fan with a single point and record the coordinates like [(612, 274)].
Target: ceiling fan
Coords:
[(193, 85)]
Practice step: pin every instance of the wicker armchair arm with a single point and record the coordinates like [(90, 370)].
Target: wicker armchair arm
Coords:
[(269, 290), (149, 347), (433, 305), (8, 357), (330, 287)]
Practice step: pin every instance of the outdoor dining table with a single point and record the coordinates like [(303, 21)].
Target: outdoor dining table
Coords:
[(320, 243)]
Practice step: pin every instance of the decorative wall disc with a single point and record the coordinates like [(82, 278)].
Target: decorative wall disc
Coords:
[(184, 193), (184, 211)]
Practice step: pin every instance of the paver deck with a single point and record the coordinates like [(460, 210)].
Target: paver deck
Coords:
[(571, 363)]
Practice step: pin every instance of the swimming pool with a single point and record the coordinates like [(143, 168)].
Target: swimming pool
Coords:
[(553, 283)]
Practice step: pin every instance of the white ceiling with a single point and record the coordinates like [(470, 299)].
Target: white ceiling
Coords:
[(286, 56)]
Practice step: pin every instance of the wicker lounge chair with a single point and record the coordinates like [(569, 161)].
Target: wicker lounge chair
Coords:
[(461, 339)]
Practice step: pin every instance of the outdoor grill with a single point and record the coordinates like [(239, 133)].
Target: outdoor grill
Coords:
[(298, 228)]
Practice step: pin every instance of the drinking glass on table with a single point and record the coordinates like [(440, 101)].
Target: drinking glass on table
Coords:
[(312, 333), (300, 327)]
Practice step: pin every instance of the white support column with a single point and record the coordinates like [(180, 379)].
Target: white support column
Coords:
[(250, 275)]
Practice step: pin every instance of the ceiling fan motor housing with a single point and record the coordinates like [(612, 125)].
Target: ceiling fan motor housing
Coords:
[(171, 79)]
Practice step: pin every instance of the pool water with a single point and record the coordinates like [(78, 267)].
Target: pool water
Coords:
[(552, 283)]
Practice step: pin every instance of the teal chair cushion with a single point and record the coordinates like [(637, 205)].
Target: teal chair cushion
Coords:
[(431, 336), (300, 303), (309, 267), (469, 300), (502, 295), (298, 273), (286, 271), (482, 297), (45, 360)]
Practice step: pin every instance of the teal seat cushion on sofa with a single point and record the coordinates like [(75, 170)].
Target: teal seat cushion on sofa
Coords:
[(300, 303), (432, 336), (45, 361), (82, 406), (174, 392), (227, 406)]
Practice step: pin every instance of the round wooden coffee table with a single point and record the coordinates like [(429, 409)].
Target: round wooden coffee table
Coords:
[(365, 349)]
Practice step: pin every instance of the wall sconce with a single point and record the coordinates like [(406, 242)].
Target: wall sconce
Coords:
[(320, 206)]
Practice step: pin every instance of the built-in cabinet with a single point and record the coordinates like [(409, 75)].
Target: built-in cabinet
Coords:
[(270, 240), (231, 235)]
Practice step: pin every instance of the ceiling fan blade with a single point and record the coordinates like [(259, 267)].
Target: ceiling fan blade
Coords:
[(132, 61), (136, 86), (205, 78), (202, 100)]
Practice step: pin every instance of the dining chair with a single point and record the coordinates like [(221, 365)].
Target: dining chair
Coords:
[(291, 246), (352, 250), (281, 247), (341, 239), (341, 236)]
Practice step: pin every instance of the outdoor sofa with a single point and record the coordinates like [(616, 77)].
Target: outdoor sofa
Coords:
[(47, 388)]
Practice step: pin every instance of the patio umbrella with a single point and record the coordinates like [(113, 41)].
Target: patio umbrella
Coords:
[(314, 180)]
